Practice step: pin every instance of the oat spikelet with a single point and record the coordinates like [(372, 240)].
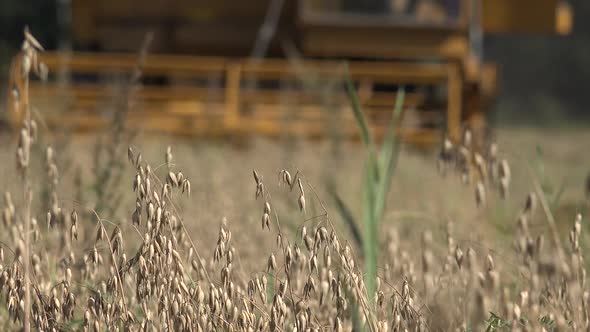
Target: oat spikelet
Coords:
[(530, 204), (301, 200), (169, 157), (480, 194)]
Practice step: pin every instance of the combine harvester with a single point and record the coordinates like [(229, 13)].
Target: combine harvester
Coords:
[(213, 86)]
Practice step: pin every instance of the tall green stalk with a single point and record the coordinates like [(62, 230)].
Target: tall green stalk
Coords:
[(379, 170)]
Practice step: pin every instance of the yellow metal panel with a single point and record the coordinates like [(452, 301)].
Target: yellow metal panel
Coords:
[(565, 18), (187, 107), (83, 23), (384, 42), (521, 16), (454, 102)]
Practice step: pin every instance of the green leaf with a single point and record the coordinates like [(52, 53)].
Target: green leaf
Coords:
[(548, 323), (358, 113), (496, 323), (558, 194), (388, 156), (379, 170), (362, 123), (357, 324), (387, 149), (346, 215), (370, 235), (270, 290)]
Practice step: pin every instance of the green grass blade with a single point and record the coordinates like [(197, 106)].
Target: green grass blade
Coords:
[(358, 114), (370, 234), (270, 291), (388, 157), (362, 123), (356, 320), (357, 324), (347, 216), (558, 194), (387, 148)]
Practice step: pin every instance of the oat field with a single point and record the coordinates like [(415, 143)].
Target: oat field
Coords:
[(126, 232)]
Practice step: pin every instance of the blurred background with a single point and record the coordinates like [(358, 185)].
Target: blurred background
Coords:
[(513, 72), (418, 124), (542, 75)]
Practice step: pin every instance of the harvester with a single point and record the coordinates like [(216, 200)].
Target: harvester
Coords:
[(274, 67)]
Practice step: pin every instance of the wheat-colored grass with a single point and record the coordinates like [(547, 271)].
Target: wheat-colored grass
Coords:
[(177, 235)]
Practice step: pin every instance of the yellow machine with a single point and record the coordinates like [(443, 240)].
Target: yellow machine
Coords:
[(431, 47)]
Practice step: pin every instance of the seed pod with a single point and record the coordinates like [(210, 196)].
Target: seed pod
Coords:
[(138, 160), (25, 140), (493, 151), (157, 199), (279, 240), (259, 190), (32, 41), (338, 325), (285, 177), (165, 191), (26, 64), (301, 203), (21, 162), (481, 166), (266, 207), (147, 185), (489, 262), (530, 204), (445, 155), (288, 179), (186, 187), (523, 223), (459, 256), (578, 224), (74, 232), (136, 183), (172, 180), (265, 221), (300, 185), (169, 156), (504, 170), (256, 176), (94, 255), (33, 130), (480, 194), (74, 217), (327, 257), (151, 210), (68, 276), (130, 156), (272, 263), (99, 232), (313, 263), (516, 311), (467, 138), (308, 243), (504, 183)]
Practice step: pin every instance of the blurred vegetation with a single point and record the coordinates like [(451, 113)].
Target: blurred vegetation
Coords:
[(39, 15)]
